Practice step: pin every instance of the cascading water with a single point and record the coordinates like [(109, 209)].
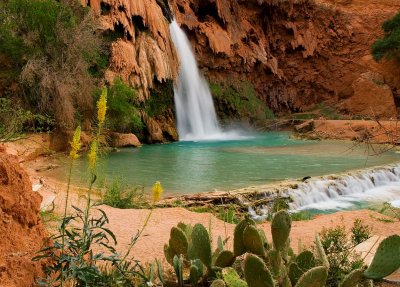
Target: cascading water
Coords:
[(343, 192), (195, 112)]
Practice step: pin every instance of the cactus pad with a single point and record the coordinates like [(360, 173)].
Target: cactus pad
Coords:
[(225, 259), (386, 259), (280, 228), (178, 241), (321, 255), (201, 245), (295, 273), (305, 260), (218, 283), (315, 277), (253, 240), (352, 279), (256, 272), (169, 254), (238, 245), (231, 278)]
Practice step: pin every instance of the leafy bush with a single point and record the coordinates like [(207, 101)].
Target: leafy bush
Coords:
[(389, 46), (122, 102), (239, 100), (14, 120), (339, 246), (122, 196)]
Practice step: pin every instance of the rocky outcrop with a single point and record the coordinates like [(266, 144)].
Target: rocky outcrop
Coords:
[(371, 97), (22, 230), (124, 140)]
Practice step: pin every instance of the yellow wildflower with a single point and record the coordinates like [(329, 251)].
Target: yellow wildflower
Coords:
[(75, 144), (102, 106), (157, 191), (92, 156)]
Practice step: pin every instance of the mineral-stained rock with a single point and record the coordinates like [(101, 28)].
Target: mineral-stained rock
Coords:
[(21, 228), (124, 140), (372, 97), (144, 51)]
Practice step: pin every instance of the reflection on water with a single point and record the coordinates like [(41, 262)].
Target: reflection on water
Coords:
[(190, 167)]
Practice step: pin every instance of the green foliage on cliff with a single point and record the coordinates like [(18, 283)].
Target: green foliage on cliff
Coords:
[(122, 111), (54, 51), (239, 100), (389, 46)]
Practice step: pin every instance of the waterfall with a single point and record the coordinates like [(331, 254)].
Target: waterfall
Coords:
[(195, 112), (343, 191)]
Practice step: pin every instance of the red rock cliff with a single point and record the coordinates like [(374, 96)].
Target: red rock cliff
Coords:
[(21, 228), (297, 53)]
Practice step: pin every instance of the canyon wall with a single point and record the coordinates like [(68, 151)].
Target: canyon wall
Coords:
[(296, 53)]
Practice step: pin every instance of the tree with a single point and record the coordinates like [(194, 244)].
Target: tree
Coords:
[(389, 46)]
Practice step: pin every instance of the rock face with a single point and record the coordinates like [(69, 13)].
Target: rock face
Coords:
[(21, 228), (144, 52), (372, 97), (296, 53)]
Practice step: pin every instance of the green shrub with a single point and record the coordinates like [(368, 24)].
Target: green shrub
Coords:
[(389, 46), (14, 120), (339, 246), (239, 100), (123, 116), (119, 195)]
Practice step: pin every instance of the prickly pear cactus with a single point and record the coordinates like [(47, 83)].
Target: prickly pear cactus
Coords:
[(196, 271), (178, 241), (253, 240), (225, 259), (201, 245), (238, 245), (275, 261), (169, 254), (178, 267), (352, 279), (386, 259), (315, 277), (280, 228), (218, 283), (305, 260), (256, 272), (295, 272), (232, 279), (321, 255)]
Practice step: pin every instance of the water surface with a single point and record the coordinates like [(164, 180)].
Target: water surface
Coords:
[(192, 167)]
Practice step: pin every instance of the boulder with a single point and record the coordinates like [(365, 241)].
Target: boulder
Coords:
[(124, 140), (60, 141), (371, 98)]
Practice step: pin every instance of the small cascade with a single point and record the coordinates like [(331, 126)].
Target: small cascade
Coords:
[(195, 112), (343, 191), (378, 185)]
